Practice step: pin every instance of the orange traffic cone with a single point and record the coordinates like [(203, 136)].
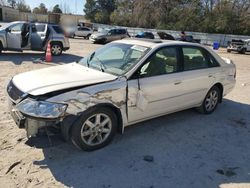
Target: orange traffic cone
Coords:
[(48, 57)]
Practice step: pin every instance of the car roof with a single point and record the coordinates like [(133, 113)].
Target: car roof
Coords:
[(153, 43)]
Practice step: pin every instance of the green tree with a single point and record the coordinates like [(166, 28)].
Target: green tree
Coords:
[(99, 10), (12, 3), (41, 9), (22, 6), (212, 16), (57, 9), (90, 9)]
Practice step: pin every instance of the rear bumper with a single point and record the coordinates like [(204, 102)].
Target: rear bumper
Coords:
[(229, 87)]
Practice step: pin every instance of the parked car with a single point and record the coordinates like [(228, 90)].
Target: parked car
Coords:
[(241, 46), (19, 36), (190, 38), (105, 36), (165, 36), (84, 32), (120, 84), (69, 31), (147, 35)]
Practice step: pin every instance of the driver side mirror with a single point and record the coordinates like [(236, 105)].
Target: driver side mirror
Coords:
[(109, 34), (7, 30)]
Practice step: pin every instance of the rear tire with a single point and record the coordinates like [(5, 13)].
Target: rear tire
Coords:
[(94, 129), (56, 49), (211, 101)]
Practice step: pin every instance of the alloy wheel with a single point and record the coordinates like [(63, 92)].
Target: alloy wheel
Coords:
[(211, 100), (96, 129), (56, 49)]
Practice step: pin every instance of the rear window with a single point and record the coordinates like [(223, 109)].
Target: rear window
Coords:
[(40, 28), (57, 29)]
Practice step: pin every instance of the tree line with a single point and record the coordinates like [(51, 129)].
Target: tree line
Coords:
[(210, 16), (41, 9)]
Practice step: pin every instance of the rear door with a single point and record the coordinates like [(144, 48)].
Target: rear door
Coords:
[(200, 71), (38, 35), (14, 37)]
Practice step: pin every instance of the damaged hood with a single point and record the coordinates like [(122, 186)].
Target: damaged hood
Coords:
[(60, 77)]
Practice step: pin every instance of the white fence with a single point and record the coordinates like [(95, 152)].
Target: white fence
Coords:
[(206, 38)]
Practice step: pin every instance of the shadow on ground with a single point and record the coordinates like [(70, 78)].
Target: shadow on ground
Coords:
[(188, 150), (19, 58)]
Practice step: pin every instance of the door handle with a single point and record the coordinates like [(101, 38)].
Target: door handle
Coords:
[(177, 83)]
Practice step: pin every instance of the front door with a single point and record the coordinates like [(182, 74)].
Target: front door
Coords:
[(38, 36), (158, 89), (14, 37)]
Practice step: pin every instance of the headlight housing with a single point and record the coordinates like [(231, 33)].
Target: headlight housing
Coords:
[(41, 109)]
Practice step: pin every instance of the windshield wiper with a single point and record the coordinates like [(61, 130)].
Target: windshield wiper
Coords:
[(101, 65)]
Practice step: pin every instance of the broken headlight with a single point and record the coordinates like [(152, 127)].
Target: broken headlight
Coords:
[(41, 109)]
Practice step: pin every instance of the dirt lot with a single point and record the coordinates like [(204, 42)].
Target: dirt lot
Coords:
[(185, 149)]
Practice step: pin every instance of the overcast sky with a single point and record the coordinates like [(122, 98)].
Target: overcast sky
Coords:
[(74, 6)]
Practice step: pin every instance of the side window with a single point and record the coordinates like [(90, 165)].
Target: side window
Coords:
[(164, 61), (194, 59), (40, 27), (120, 31), (16, 28), (112, 32), (85, 29), (212, 62), (57, 29)]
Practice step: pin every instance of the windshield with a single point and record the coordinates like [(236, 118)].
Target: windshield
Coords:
[(115, 58), (6, 25), (104, 31)]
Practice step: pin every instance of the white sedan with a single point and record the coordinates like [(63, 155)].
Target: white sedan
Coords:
[(120, 84)]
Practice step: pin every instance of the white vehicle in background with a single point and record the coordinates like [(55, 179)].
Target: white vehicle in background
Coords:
[(241, 46), (123, 83), (84, 32)]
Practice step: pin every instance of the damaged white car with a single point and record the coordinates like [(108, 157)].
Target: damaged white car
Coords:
[(120, 84)]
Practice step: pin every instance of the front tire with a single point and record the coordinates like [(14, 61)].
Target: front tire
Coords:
[(211, 101), (94, 129)]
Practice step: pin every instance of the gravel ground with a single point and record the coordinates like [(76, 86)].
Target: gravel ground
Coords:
[(185, 149)]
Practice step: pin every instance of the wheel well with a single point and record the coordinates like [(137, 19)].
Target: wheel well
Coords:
[(220, 86), (56, 42), (118, 115), (69, 121)]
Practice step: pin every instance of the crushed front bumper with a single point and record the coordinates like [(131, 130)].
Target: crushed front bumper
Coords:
[(31, 124)]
